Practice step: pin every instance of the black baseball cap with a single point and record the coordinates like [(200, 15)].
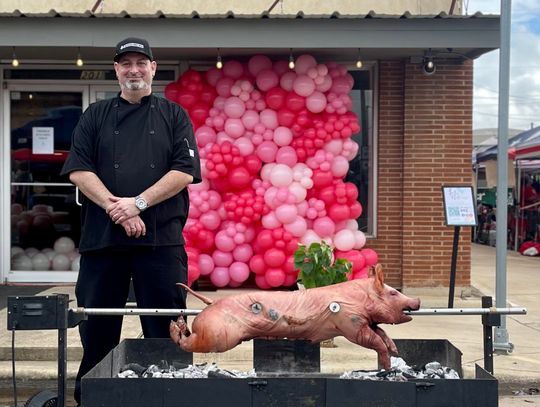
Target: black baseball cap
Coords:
[(132, 44)]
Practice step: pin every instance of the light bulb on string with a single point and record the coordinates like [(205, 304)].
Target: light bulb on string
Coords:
[(14, 60), (79, 61), (219, 62), (291, 60)]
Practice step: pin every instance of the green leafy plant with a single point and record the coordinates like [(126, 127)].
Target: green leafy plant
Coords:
[(316, 266)]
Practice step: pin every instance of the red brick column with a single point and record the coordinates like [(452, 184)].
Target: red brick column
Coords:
[(437, 151), (390, 170), (424, 142)]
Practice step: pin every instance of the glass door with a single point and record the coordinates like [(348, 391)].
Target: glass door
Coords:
[(45, 224)]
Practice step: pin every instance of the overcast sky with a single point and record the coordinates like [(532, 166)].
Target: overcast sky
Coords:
[(524, 68)]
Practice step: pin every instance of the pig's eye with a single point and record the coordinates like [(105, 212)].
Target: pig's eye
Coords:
[(393, 292)]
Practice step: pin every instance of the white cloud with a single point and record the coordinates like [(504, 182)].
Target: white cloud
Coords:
[(524, 104)]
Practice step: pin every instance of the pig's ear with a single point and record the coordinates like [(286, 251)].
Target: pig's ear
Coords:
[(379, 278)]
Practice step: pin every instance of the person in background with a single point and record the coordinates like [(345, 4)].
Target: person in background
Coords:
[(132, 157), (528, 200)]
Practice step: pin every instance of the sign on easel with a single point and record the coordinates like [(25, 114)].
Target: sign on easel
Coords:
[(459, 210), (459, 206)]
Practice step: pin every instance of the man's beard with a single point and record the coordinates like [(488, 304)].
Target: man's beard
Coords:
[(129, 84)]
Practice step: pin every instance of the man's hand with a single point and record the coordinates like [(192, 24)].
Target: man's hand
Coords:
[(122, 209), (134, 227)]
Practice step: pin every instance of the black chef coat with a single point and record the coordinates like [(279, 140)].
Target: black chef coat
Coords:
[(130, 147)]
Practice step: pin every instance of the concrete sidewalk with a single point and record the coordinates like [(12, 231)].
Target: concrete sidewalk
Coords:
[(36, 351)]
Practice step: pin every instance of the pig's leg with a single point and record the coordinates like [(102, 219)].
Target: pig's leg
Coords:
[(390, 345), (368, 338)]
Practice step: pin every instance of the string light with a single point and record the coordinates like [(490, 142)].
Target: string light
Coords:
[(359, 63), (219, 62), (14, 61), (291, 60), (79, 61)]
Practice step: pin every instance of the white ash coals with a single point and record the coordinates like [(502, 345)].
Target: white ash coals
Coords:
[(181, 371), (402, 372)]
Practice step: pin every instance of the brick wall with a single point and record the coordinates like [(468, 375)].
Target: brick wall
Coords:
[(429, 147)]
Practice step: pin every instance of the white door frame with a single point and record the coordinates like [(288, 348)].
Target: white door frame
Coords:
[(6, 274)]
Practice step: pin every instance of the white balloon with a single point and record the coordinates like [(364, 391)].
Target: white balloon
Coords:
[(31, 251), (21, 262), (76, 263), (344, 240), (16, 250), (64, 245), (61, 262), (50, 253), (310, 237), (41, 262)]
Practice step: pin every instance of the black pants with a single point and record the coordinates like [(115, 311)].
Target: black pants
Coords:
[(103, 282)]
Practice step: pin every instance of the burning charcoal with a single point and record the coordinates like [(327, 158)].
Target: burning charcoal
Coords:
[(220, 374), (151, 370)]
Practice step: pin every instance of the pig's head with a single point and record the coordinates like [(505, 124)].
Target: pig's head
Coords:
[(387, 304)]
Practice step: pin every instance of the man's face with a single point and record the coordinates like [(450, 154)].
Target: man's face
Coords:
[(135, 71)]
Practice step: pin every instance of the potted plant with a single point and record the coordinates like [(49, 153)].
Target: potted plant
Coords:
[(317, 268)]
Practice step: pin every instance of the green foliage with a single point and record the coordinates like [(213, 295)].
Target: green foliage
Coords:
[(316, 268)]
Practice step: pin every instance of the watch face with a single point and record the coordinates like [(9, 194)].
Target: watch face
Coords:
[(140, 203)]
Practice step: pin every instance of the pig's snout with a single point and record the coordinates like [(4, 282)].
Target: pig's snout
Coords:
[(412, 304)]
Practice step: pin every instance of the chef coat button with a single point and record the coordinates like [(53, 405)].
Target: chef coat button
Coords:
[(152, 131), (152, 165), (116, 165), (152, 106), (116, 132)]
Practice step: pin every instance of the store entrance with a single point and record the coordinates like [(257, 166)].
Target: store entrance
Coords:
[(44, 210)]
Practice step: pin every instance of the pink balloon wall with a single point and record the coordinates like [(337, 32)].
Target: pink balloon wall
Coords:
[(275, 146)]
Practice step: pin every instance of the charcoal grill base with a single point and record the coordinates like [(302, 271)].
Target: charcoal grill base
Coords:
[(101, 387)]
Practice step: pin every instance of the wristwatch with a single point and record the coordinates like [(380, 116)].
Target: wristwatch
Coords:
[(141, 203)]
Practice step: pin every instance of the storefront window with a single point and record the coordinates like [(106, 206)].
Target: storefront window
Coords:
[(361, 171), (44, 215)]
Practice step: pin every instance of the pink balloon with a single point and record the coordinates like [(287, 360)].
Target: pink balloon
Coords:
[(316, 102), (281, 175), (286, 213), (243, 252), (260, 280), (274, 277), (234, 128), (205, 135), (239, 272), (266, 80), (270, 221), (258, 63), (341, 85), (310, 237), (371, 256), (298, 191), (239, 178), (325, 85), (223, 86), (210, 220), (283, 136), (220, 277), (359, 238), (206, 264), (287, 80), (234, 107), (324, 226), (269, 119), (267, 151), (340, 166), (363, 273), (224, 242), (286, 155), (303, 63), (280, 67), (274, 257), (250, 119), (297, 228), (303, 85), (233, 69), (213, 75), (244, 145), (222, 259)]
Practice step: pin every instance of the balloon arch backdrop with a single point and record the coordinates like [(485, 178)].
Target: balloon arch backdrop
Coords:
[(275, 145)]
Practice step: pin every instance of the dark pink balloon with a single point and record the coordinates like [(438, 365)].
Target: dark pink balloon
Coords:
[(275, 98)]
